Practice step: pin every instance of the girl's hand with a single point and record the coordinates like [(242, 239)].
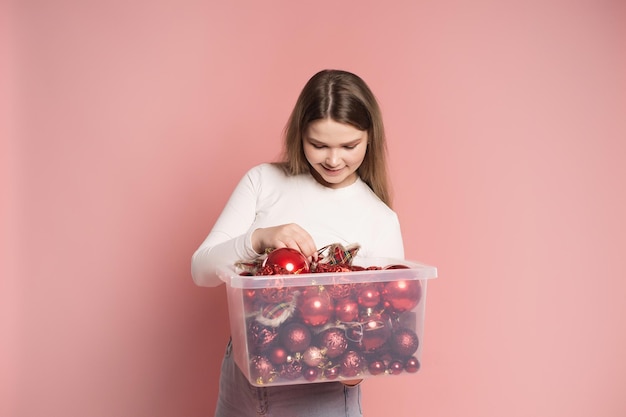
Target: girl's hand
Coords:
[(284, 236)]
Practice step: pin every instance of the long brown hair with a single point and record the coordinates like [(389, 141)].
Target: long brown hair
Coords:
[(345, 98)]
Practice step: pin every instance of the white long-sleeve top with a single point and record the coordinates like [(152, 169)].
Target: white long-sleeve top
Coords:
[(266, 197)]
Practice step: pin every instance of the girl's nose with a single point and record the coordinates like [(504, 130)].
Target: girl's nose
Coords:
[(332, 158)]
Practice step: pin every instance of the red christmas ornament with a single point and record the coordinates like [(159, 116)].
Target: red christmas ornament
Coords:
[(261, 369), (395, 367), (368, 296), (376, 367), (290, 259), (260, 337), (278, 355), (375, 328), (275, 295), (402, 295), (313, 356), (311, 374), (351, 364), (315, 306), (291, 369), (346, 310), (404, 342), (412, 365), (331, 373), (396, 266), (334, 340), (295, 337), (338, 291)]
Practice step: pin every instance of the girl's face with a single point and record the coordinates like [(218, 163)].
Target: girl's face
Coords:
[(335, 151)]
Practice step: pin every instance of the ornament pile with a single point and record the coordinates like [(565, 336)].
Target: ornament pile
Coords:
[(342, 330)]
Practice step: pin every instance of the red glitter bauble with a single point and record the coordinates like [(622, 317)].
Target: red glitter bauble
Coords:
[(275, 295), (368, 296), (261, 369), (412, 365), (334, 340), (313, 356), (295, 337), (291, 369), (260, 337), (351, 364), (338, 291), (375, 330), (346, 309), (315, 306), (402, 295), (290, 259), (404, 342)]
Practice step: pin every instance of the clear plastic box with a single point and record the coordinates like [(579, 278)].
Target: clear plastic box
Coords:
[(322, 327)]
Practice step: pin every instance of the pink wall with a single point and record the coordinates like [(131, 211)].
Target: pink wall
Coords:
[(507, 139)]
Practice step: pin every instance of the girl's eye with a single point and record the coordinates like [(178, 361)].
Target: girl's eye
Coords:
[(350, 147), (316, 146)]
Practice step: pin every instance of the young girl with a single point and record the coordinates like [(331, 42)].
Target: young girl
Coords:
[(330, 188)]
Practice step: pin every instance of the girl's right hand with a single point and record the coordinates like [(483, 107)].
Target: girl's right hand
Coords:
[(284, 236)]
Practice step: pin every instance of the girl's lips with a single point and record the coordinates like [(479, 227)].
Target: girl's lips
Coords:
[(332, 172)]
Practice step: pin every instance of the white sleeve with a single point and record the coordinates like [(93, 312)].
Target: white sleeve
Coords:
[(230, 239)]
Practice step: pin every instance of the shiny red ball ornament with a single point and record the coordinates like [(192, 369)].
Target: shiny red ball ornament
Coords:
[(261, 369), (310, 374), (346, 310), (376, 367), (295, 337), (396, 266), (331, 373), (412, 365), (395, 367), (334, 341), (368, 296), (404, 342), (315, 306), (278, 355), (375, 330), (351, 364), (402, 295), (290, 259)]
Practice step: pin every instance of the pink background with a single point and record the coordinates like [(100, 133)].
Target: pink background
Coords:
[(132, 121)]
